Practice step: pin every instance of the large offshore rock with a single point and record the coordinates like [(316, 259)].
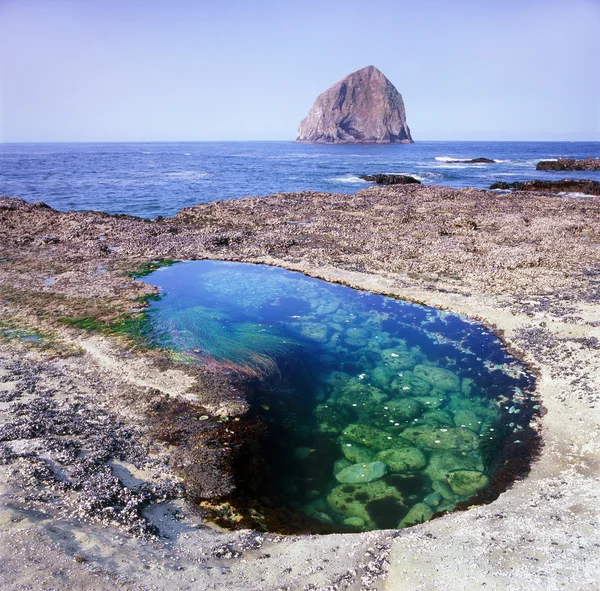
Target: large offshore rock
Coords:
[(363, 108)]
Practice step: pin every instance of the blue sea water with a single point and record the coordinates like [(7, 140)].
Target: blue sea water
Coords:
[(380, 412), (152, 179)]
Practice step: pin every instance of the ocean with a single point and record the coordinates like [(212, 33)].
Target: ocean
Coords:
[(152, 179)]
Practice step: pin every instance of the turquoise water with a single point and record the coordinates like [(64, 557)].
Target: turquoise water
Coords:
[(380, 412)]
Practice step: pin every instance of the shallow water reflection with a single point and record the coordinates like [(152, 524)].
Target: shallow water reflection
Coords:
[(381, 412)]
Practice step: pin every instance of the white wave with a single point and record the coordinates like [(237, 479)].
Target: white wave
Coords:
[(448, 166), (187, 154), (347, 179), (547, 160), (445, 158), (574, 194), (186, 174), (424, 176)]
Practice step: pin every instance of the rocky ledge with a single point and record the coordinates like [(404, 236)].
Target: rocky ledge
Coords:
[(103, 443), (564, 186), (391, 179), (569, 164)]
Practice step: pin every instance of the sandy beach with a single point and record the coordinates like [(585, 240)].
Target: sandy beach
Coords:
[(92, 404)]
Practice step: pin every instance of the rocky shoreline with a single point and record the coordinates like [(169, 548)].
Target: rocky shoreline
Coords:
[(524, 263), (569, 164), (583, 186)]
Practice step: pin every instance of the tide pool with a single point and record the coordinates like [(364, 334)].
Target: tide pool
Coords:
[(380, 413)]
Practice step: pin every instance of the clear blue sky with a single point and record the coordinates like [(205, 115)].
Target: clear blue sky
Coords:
[(127, 70)]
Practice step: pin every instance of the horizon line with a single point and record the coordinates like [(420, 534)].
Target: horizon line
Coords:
[(8, 143)]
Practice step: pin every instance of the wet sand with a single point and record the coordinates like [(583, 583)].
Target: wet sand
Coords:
[(526, 264)]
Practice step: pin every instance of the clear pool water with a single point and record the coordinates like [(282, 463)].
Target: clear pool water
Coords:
[(381, 413)]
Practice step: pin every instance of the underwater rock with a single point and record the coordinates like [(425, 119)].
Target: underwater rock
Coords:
[(357, 454), (467, 482), (372, 437), (355, 394), (430, 402), (438, 377), (433, 499), (327, 308), (403, 459), (466, 387), (314, 331), (354, 521), (437, 418), (359, 334), (369, 501), (382, 376), (330, 420), (419, 513), (398, 359), (339, 465), (443, 488), (395, 414), (436, 438), (442, 462), (360, 473), (468, 419), (408, 384)]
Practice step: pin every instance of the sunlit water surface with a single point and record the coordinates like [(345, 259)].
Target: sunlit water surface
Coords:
[(381, 412)]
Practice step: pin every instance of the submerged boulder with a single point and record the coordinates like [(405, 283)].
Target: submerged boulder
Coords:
[(438, 377), (419, 513), (467, 482), (371, 437), (359, 473), (443, 462), (377, 503), (398, 358), (363, 108), (403, 459), (356, 453), (446, 438)]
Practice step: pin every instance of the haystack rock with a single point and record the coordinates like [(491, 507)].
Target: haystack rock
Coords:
[(363, 108)]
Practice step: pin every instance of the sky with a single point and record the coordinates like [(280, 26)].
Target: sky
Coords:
[(184, 70)]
